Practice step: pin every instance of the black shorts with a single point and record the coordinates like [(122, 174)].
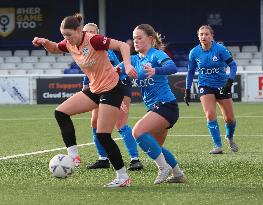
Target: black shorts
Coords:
[(168, 110), (112, 97), (127, 84), (204, 90)]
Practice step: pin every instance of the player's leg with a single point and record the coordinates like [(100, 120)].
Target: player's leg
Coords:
[(170, 112), (107, 118), (142, 131), (103, 161), (208, 102), (126, 133), (226, 106), (177, 174), (76, 104)]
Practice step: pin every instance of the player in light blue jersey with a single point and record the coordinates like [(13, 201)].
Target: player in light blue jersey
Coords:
[(123, 128), (214, 85), (152, 66)]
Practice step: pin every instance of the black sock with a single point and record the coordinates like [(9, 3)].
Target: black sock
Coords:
[(112, 150), (66, 127)]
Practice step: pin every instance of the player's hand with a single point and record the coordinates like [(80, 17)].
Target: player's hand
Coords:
[(130, 71), (150, 71), (187, 96), (227, 87), (38, 41)]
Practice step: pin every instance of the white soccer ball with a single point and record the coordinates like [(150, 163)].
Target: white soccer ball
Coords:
[(61, 166)]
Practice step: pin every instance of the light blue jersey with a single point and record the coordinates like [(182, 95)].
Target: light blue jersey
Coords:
[(113, 58), (154, 89), (211, 65)]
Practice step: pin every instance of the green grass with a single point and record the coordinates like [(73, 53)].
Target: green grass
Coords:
[(224, 179)]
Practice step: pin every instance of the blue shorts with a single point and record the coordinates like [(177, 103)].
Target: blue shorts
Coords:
[(127, 84), (204, 90), (168, 110)]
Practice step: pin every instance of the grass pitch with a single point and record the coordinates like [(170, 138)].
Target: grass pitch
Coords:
[(222, 179)]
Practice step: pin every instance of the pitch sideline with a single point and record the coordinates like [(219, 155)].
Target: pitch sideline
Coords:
[(89, 144)]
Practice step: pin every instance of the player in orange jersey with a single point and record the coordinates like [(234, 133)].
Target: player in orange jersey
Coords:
[(105, 91)]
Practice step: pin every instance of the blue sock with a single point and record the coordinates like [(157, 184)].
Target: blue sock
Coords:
[(214, 131), (149, 145), (230, 129), (129, 141), (101, 151), (169, 157)]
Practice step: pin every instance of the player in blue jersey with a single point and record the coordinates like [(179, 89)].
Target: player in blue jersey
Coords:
[(152, 66), (214, 85), (123, 128)]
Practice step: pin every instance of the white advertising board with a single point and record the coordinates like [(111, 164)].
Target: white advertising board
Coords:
[(255, 87), (14, 90)]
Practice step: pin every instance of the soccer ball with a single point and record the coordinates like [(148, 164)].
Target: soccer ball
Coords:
[(61, 166)]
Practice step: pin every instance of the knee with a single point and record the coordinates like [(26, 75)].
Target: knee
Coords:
[(229, 119), (210, 116), (93, 123), (118, 125), (136, 133), (60, 116)]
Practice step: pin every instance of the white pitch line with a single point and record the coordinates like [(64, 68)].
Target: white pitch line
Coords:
[(45, 151), (88, 144), (132, 117)]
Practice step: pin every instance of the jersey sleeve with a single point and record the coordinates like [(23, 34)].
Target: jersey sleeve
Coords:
[(62, 46), (192, 65), (162, 58), (191, 70), (224, 53), (99, 42)]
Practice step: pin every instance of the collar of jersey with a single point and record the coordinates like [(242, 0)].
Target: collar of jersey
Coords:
[(150, 51)]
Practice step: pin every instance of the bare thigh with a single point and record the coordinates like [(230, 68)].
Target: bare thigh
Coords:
[(209, 106), (123, 115), (226, 107), (78, 103), (107, 118), (154, 124), (94, 117)]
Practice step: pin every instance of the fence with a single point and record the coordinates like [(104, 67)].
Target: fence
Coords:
[(50, 89)]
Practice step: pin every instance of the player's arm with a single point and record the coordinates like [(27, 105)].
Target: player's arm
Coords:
[(227, 58), (166, 65), (124, 49), (50, 46), (189, 78), (99, 42)]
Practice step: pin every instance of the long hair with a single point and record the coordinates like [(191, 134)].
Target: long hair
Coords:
[(149, 30)]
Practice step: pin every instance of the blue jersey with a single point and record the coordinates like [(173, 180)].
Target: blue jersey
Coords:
[(114, 61), (211, 65), (154, 89), (113, 58)]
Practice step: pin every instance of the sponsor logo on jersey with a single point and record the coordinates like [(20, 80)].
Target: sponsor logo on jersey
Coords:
[(143, 82), (85, 51), (104, 40)]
